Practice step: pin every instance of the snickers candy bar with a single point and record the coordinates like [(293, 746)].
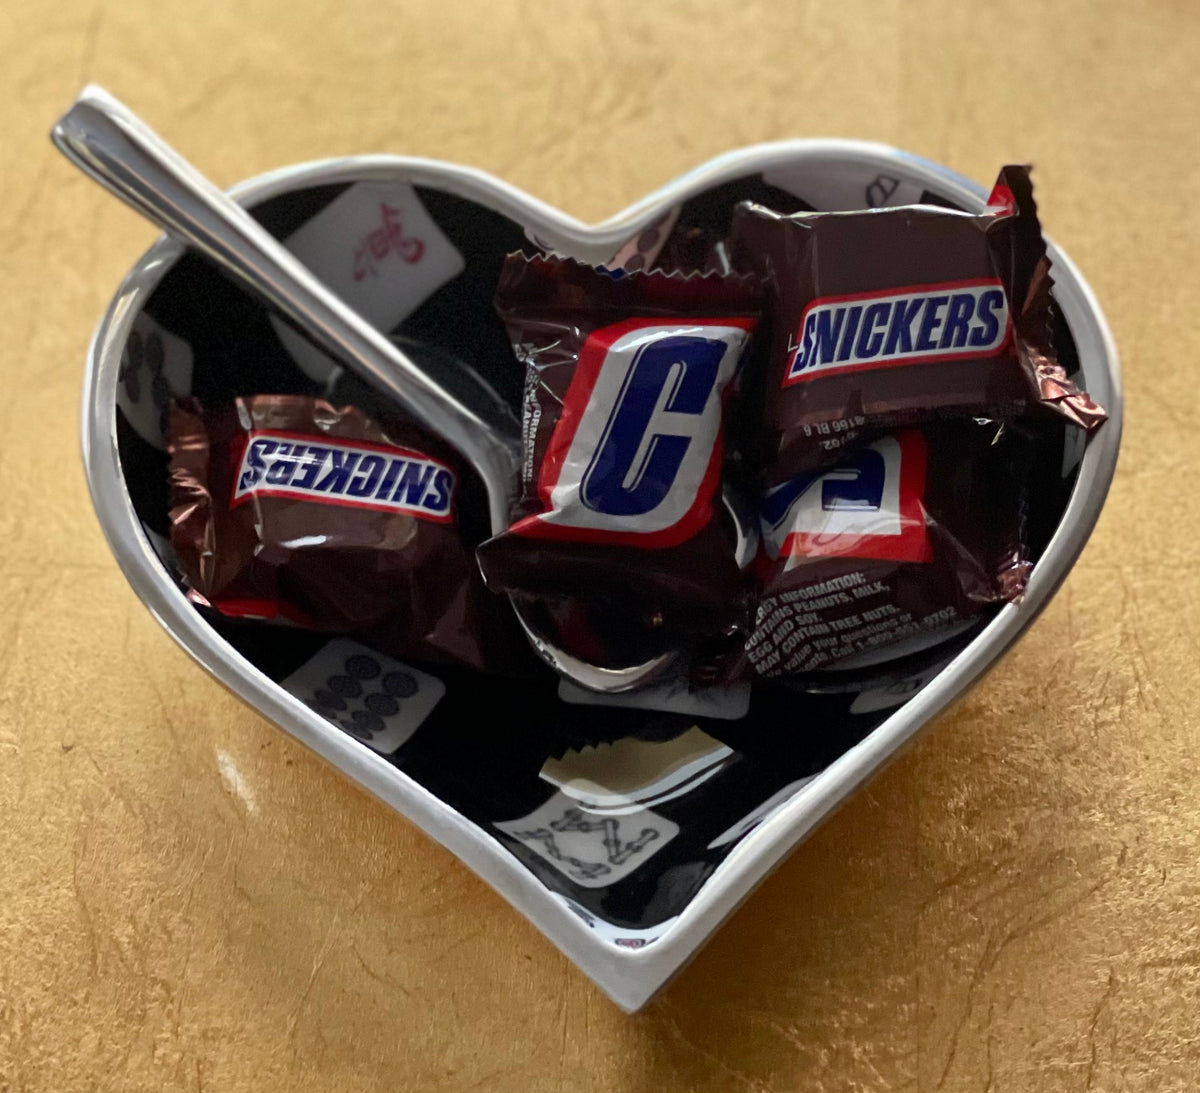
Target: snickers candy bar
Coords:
[(892, 317), (290, 509), (895, 548), (618, 531)]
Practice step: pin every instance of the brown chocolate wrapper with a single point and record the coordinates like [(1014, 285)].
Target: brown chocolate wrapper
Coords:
[(898, 546), (289, 509), (893, 317), (618, 574)]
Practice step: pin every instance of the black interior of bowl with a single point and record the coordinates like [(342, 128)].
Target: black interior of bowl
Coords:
[(483, 748)]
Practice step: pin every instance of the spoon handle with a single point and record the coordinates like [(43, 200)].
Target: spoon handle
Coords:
[(113, 146)]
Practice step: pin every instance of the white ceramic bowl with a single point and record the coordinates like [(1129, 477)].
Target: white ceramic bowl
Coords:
[(630, 923)]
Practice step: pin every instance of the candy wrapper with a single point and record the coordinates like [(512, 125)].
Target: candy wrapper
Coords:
[(619, 530), (892, 317), (290, 509), (903, 542)]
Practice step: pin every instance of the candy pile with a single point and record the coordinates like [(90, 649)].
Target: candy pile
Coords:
[(809, 448)]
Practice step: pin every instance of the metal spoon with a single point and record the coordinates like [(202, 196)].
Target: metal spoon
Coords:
[(113, 146)]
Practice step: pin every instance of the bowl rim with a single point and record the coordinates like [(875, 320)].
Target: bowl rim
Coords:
[(630, 977)]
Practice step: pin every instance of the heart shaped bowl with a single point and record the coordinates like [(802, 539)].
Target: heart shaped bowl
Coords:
[(626, 834)]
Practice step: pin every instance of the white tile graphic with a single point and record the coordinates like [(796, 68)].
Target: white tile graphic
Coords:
[(376, 699), (592, 849), (629, 775), (155, 367), (380, 251)]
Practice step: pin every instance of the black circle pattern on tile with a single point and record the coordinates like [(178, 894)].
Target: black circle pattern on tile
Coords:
[(329, 700), (383, 705), (399, 684), (363, 667), (346, 686), (364, 697), (365, 721), (357, 731)]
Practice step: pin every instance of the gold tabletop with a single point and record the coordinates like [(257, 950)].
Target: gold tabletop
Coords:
[(190, 901)]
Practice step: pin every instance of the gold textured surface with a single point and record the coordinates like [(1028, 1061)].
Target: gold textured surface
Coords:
[(190, 901)]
